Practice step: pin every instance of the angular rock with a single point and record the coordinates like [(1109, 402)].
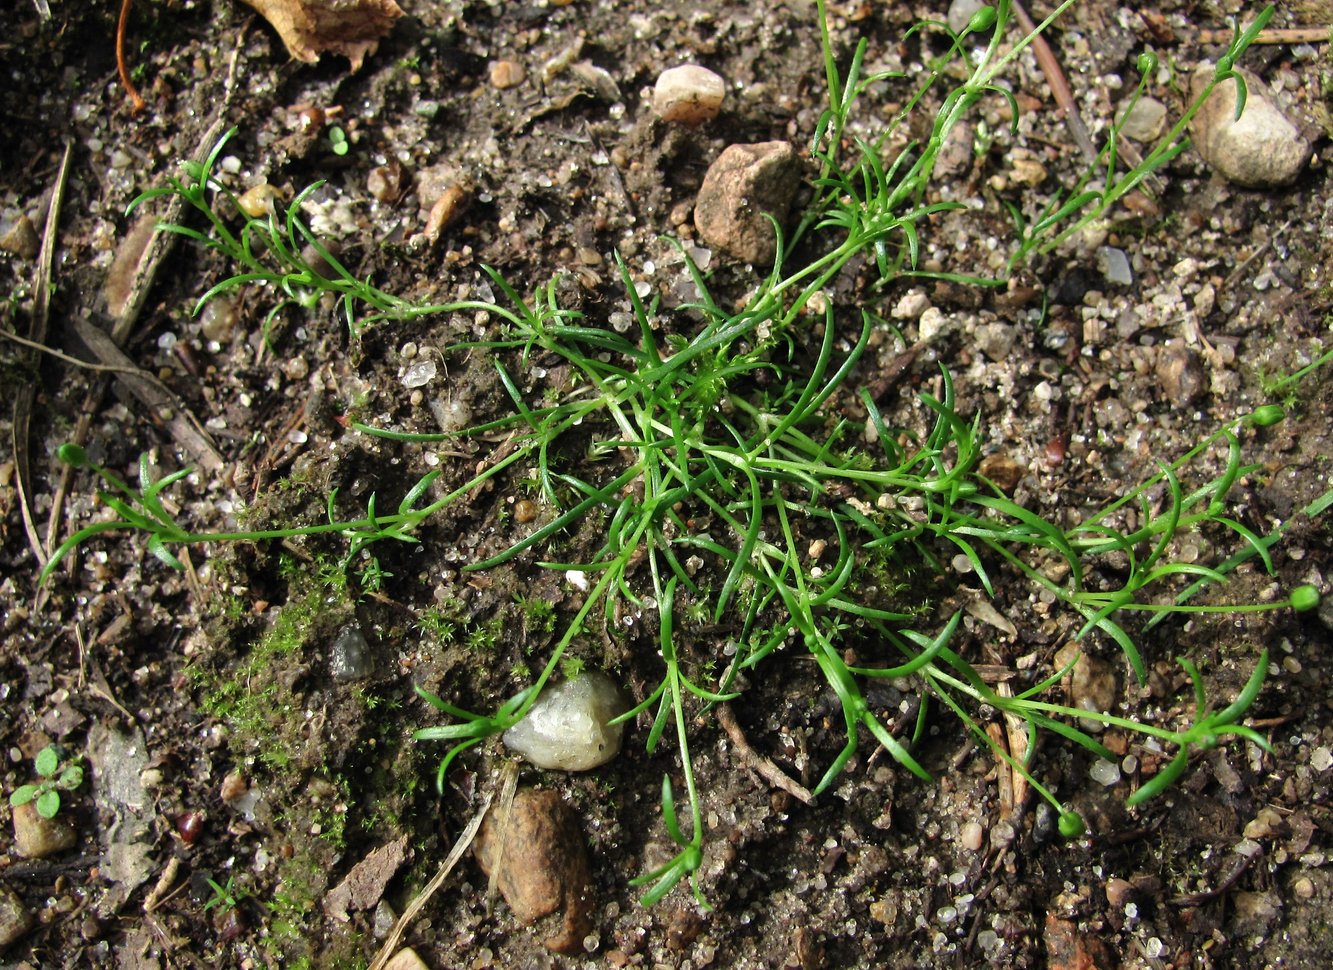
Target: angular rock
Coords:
[(688, 94), (746, 184), (543, 864), (15, 919), (1261, 149), (1180, 374), (36, 837), (567, 726)]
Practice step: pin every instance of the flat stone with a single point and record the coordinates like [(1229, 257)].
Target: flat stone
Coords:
[(36, 837), (742, 188), (543, 864), (1261, 149), (688, 94)]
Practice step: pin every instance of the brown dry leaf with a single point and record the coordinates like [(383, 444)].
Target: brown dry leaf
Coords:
[(309, 28)]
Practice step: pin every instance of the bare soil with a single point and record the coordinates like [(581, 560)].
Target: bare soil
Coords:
[(168, 683)]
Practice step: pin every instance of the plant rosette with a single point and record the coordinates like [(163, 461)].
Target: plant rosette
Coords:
[(46, 793)]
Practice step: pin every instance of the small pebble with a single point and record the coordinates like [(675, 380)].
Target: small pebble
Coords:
[(15, 917), (385, 182), (219, 319), (525, 510), (1261, 149), (17, 236), (1104, 772), (36, 837), (258, 200), (1145, 121), (419, 373), (566, 728), (689, 94), (406, 959), (972, 836), (350, 657), (746, 186), (507, 74), (234, 786), (544, 867), (1118, 892), (1303, 888)]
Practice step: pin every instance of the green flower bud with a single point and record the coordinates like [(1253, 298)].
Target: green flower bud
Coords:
[(1267, 416), (72, 455), (1072, 824), (982, 20), (1304, 599)]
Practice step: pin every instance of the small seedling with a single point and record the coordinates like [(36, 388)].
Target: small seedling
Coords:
[(225, 897), (55, 779), (338, 140)]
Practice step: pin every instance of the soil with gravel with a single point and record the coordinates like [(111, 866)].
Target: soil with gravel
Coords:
[(244, 754)]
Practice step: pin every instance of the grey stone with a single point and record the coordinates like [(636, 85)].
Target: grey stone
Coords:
[(350, 657), (742, 188), (1145, 121)]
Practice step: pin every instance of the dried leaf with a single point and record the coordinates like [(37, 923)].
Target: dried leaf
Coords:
[(309, 28)]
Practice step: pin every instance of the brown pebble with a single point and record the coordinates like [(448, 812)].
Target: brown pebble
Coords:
[(525, 510), (1002, 470), (1181, 375), (15, 918), (507, 74), (543, 866), (20, 238), (36, 837), (746, 186), (1118, 892), (257, 201), (446, 210), (234, 786), (385, 182)]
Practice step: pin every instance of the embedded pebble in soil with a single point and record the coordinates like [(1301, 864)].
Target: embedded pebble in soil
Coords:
[(419, 373), (350, 659), (566, 728), (1104, 772), (17, 236), (689, 94), (1261, 149), (972, 836), (1114, 266), (15, 919), (1093, 684), (1145, 121), (36, 837), (507, 74), (542, 864), (741, 189)]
